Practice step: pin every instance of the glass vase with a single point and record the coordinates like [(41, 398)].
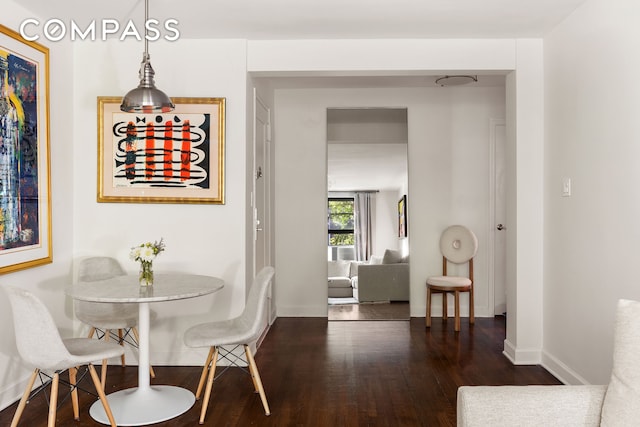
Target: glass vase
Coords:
[(146, 273)]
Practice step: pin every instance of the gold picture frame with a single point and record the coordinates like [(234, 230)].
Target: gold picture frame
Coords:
[(25, 182), (175, 157)]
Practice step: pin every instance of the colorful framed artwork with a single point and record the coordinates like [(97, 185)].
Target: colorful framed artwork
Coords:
[(175, 157), (402, 217), (25, 189)]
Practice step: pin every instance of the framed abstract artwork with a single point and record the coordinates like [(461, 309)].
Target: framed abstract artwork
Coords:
[(175, 157), (402, 217), (25, 189)]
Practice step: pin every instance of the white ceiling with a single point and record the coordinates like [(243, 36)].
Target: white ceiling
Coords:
[(331, 19)]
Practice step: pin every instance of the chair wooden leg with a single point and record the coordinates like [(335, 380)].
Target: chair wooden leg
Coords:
[(121, 341), (74, 392), (25, 397), (205, 369), (101, 395), (445, 315), (53, 400), (472, 317), (256, 379), (428, 319), (103, 371), (91, 332), (457, 311), (253, 376), (207, 392), (135, 334)]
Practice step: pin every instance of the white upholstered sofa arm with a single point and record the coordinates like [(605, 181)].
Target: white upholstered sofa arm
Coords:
[(561, 405)]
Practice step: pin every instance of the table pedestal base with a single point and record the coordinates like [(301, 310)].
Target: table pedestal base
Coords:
[(137, 407)]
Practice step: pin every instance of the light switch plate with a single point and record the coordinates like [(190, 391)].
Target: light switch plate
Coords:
[(566, 187)]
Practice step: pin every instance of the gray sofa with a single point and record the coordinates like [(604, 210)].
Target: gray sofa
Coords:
[(384, 279), (616, 404), (341, 275), (383, 282), (381, 279)]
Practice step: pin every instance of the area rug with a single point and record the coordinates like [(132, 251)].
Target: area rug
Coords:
[(338, 301)]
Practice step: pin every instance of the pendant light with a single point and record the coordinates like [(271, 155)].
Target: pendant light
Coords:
[(146, 98)]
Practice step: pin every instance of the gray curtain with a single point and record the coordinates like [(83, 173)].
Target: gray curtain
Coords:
[(362, 230)]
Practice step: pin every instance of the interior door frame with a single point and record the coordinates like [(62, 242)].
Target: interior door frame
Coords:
[(262, 172)]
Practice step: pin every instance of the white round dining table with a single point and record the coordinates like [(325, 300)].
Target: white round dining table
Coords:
[(145, 404)]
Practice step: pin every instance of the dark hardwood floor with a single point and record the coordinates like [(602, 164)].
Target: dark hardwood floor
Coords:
[(377, 311), (319, 373)]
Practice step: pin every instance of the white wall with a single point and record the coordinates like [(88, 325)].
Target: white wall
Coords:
[(333, 57), (203, 239), (448, 182), (592, 105), (47, 281), (206, 239), (386, 222), (525, 142)]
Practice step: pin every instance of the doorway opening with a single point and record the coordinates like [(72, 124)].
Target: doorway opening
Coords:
[(367, 243)]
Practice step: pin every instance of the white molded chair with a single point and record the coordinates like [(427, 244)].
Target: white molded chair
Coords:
[(40, 345), (241, 330), (105, 317), (458, 245)]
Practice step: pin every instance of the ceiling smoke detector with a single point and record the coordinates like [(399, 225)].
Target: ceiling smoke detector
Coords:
[(456, 80)]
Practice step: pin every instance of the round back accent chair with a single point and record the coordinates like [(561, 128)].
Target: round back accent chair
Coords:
[(458, 245)]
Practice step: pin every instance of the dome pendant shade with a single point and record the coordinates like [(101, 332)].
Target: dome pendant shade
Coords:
[(146, 98)]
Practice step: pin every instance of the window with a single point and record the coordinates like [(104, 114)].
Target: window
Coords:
[(340, 221)]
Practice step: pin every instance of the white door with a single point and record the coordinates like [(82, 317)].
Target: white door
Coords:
[(261, 190), (498, 225)]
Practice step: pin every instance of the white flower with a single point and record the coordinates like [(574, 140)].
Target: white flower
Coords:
[(146, 252), (135, 253)]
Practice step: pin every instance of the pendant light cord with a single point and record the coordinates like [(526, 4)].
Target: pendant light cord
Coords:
[(146, 98), (146, 31)]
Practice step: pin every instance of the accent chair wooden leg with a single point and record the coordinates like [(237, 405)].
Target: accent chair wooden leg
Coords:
[(101, 395), (91, 332), (428, 319), (53, 400), (445, 315), (25, 397), (457, 311), (472, 316), (256, 379), (207, 391), (74, 392)]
